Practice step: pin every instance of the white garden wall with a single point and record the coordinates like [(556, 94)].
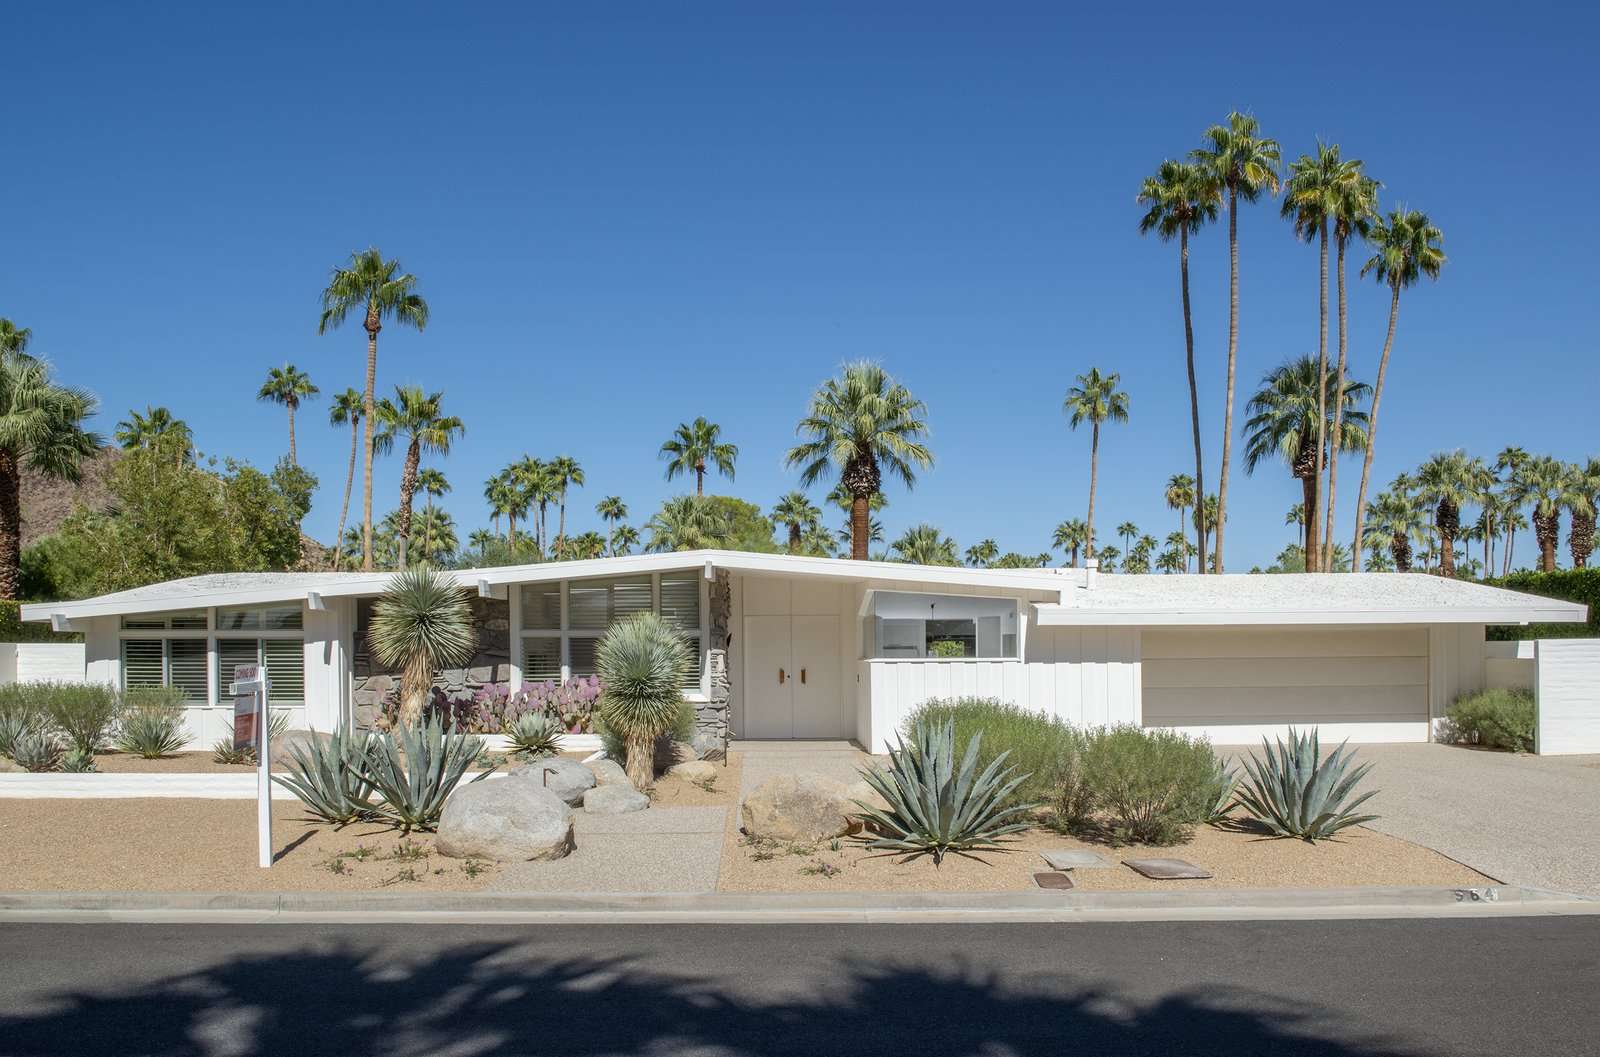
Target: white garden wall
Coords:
[(22, 662), (1568, 690), (1509, 665)]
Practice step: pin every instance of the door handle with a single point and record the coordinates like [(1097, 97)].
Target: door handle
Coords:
[(802, 676), (780, 676)]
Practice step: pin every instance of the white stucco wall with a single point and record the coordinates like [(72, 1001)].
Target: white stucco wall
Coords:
[(1568, 689), (1509, 665), (36, 661)]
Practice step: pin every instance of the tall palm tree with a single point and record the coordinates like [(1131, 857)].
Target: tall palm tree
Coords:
[(818, 542), (480, 541), (1108, 556), (925, 545), (1549, 485), (41, 429), (686, 523), (861, 424), (799, 515), (1180, 496), (1208, 515), (435, 532), (504, 497), (1284, 418), (288, 386), (1095, 399), (1127, 530), (14, 338), (982, 554), (1183, 197), (1581, 506), (378, 290), (156, 430), (612, 511), (1509, 463), (1449, 480), (346, 410), (694, 445), (1244, 163), (536, 487), (1297, 517), (1070, 537), (1405, 247), (432, 483), (564, 473), (1397, 518), (623, 539), (1354, 206), (418, 417)]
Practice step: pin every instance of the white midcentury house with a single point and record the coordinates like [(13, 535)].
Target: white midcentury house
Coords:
[(794, 647)]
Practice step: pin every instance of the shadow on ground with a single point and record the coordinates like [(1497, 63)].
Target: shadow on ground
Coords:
[(492, 999)]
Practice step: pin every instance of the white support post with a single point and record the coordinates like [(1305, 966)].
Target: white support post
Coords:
[(264, 774)]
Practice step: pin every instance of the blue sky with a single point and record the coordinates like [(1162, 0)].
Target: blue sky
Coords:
[(624, 218)]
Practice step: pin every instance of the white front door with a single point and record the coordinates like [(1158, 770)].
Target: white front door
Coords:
[(792, 683)]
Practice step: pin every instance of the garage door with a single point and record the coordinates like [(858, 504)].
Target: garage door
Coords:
[(1239, 684)]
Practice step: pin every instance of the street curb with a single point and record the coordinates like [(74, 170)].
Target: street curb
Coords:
[(794, 908)]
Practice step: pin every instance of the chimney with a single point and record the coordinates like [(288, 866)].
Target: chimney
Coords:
[(1091, 567)]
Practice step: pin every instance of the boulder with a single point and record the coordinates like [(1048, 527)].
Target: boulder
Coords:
[(614, 800), (566, 778), (706, 745), (804, 807), (505, 820), (695, 771), (608, 772)]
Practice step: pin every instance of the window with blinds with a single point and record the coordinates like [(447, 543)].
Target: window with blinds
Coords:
[(582, 652), (552, 650), (143, 663), (230, 654), (186, 668), (680, 607), (286, 670), (260, 618), (541, 607)]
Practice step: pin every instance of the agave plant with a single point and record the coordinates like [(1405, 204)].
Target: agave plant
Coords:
[(13, 725), (1295, 793), (1222, 793), (421, 623), (534, 734), (414, 768), (936, 807), (332, 779), (152, 730), (642, 663), (76, 761), (37, 749)]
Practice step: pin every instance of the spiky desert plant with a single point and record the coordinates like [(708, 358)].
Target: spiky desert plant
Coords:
[(420, 624), (936, 807), (152, 727), (1295, 793), (332, 779), (415, 767), (642, 663), (534, 734), (37, 749), (76, 761)]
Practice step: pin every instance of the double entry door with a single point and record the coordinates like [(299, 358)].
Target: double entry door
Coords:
[(792, 685)]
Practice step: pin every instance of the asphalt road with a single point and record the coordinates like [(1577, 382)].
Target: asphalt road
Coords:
[(1522, 986)]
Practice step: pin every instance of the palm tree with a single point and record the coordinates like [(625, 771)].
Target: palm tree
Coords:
[(346, 409), (1549, 485), (1183, 198), (623, 539), (536, 487), (41, 429), (1127, 530), (1180, 496), (1352, 209), (1448, 481), (692, 446), (1514, 521), (982, 554), (564, 472), (1405, 248), (1108, 556), (925, 545), (1095, 399), (818, 542), (289, 386), (504, 497), (612, 511), (480, 540), (860, 424), (1397, 518), (421, 623), (799, 515), (1284, 423), (435, 530), (418, 417), (686, 523), (1208, 515), (432, 483), (1071, 536), (155, 430), (1244, 163), (1581, 505), (378, 290), (1378, 559), (1297, 517), (14, 338), (1172, 561), (1510, 462)]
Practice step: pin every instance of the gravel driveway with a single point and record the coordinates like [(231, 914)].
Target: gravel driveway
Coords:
[(1526, 820)]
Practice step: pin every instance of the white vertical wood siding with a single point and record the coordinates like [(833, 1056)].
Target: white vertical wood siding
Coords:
[(1569, 697)]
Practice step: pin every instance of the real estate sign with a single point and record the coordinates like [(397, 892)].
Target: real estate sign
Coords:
[(250, 731)]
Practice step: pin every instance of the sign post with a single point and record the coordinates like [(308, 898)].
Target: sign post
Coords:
[(250, 724)]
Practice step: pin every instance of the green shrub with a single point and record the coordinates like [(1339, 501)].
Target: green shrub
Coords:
[(1039, 745), (935, 806), (1569, 585), (1143, 786), (152, 725), (83, 713), (642, 664), (534, 734), (1294, 792), (1499, 719)]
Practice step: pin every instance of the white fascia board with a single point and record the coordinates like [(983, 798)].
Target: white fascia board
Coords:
[(1061, 616)]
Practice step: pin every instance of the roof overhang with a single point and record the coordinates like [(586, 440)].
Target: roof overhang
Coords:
[(1537, 611)]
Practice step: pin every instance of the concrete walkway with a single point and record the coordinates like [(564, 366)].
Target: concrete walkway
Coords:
[(768, 759), (1523, 820)]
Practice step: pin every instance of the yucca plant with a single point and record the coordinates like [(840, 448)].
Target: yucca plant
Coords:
[(534, 734), (1295, 793), (936, 807), (642, 663), (420, 624), (414, 768), (332, 779), (152, 725)]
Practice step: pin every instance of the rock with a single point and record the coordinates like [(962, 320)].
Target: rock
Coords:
[(566, 778), (804, 807), (608, 772), (504, 820), (1073, 859), (670, 753), (706, 745), (614, 800), (8, 766), (695, 771)]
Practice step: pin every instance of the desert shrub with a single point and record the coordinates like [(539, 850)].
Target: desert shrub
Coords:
[(1499, 719), (37, 749), (332, 779), (534, 734), (76, 761), (937, 805), (1294, 792), (83, 713), (642, 661), (19, 713), (223, 750), (152, 725), (682, 730), (1144, 786), (414, 768), (1039, 746)]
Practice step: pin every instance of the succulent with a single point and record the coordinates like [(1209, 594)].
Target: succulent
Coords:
[(13, 725), (642, 662), (223, 751), (1295, 793), (36, 749), (152, 731), (936, 807), (76, 761), (1222, 793), (534, 734), (331, 778), (414, 768)]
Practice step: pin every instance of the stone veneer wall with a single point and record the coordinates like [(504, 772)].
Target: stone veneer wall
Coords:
[(491, 664), (711, 716)]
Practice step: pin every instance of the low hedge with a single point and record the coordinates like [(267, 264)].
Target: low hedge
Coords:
[(12, 629), (1569, 585)]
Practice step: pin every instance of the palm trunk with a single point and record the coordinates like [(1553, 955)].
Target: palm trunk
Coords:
[(408, 489), (699, 478), (349, 483), (1338, 419), (10, 527), (1094, 473), (1547, 529), (1308, 491), (1233, 353), (1314, 550), (1194, 404), (292, 460), (1580, 537), (368, 411), (794, 537), (511, 525), (859, 527), (561, 521), (1372, 424), (1511, 542), (1488, 544)]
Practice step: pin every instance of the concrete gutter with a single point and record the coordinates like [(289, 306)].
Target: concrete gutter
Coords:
[(789, 908)]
